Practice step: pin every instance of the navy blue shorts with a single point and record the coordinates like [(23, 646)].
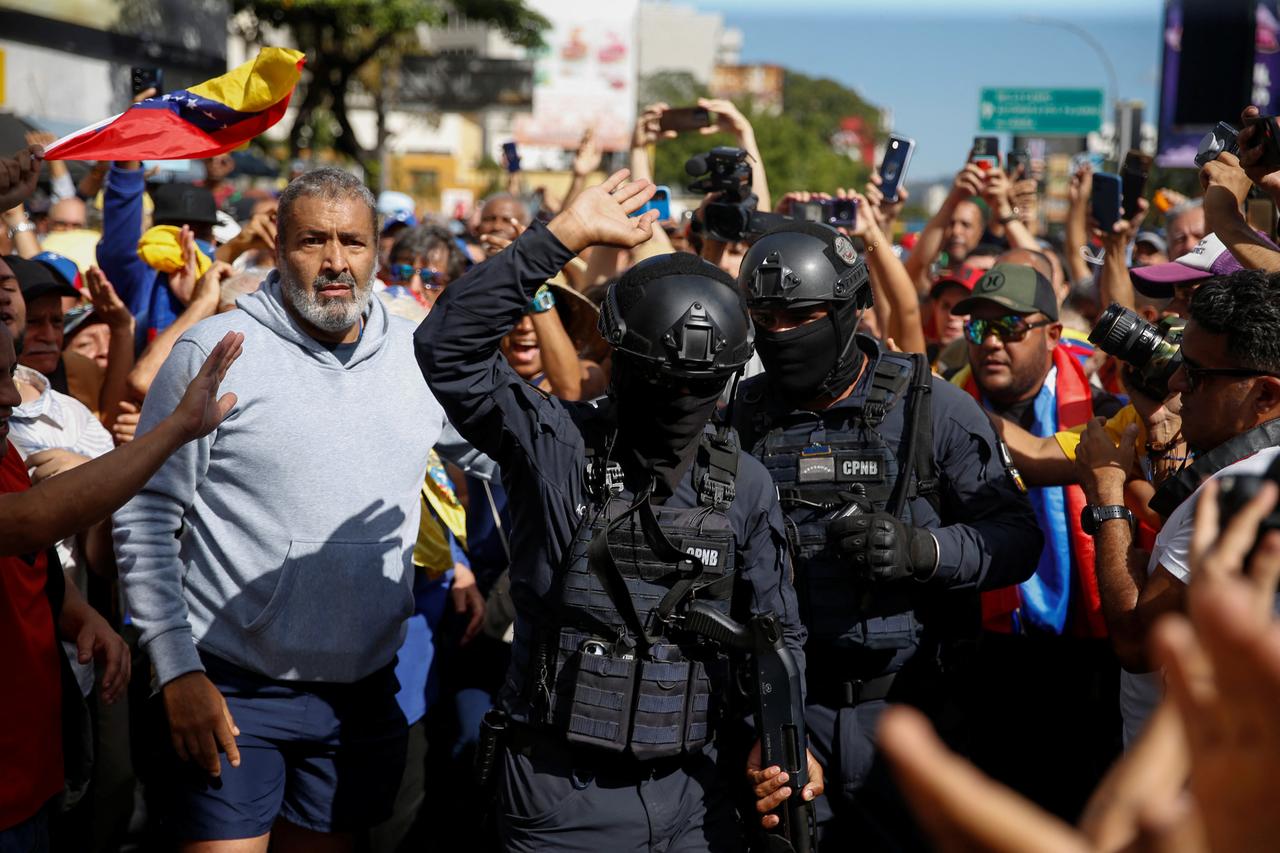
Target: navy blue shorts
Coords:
[(326, 757)]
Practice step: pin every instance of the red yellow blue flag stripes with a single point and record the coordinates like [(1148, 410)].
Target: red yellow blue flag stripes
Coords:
[(203, 121)]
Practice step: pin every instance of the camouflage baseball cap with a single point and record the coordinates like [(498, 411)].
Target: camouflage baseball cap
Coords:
[(1017, 287)]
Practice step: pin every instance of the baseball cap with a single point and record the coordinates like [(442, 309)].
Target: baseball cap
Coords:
[(80, 317), (963, 276), (399, 217), (62, 266), (1153, 240), (1016, 287), (391, 202), (1209, 259), (183, 204), (36, 280)]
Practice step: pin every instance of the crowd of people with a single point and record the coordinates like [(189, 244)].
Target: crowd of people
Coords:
[(330, 523)]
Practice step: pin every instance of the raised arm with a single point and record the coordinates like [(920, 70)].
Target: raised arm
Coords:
[(458, 344), (63, 505)]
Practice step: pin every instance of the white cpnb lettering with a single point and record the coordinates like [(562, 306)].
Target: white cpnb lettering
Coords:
[(861, 467), (709, 556)]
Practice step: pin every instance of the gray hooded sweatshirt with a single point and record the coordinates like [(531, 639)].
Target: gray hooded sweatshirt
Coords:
[(282, 541)]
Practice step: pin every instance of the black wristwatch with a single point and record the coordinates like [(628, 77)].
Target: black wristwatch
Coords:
[(1091, 517)]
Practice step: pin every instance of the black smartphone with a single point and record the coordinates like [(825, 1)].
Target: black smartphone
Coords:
[(511, 155), (142, 78), (1017, 165), (808, 211), (840, 212), (1105, 201), (681, 119), (893, 168), (1133, 180), (985, 152)]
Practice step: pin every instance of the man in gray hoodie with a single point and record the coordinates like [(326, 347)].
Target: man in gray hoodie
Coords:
[(268, 565)]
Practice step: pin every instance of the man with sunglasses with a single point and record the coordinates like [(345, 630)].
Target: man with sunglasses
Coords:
[(898, 510), (1045, 676), (1229, 384)]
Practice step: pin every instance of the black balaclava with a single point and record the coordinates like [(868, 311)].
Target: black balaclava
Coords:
[(660, 420), (813, 360)]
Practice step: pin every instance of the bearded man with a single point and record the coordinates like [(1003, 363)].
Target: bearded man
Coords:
[(268, 565)]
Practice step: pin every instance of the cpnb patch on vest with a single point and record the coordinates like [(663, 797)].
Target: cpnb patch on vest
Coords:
[(816, 469), (711, 556), (860, 466)]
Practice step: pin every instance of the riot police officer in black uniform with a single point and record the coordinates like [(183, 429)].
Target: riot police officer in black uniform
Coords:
[(624, 511), (898, 506)]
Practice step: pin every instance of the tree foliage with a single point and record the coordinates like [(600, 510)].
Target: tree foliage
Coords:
[(795, 145), (342, 37)]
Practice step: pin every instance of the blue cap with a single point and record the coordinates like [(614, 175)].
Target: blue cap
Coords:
[(62, 266), (399, 217)]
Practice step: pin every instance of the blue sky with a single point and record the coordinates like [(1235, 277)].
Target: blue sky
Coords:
[(928, 59)]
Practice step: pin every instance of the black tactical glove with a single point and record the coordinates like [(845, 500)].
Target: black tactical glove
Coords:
[(883, 548)]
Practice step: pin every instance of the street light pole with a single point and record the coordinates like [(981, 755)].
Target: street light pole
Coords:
[(1093, 43)]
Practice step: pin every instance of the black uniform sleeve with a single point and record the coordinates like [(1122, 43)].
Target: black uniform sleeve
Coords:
[(457, 347), (993, 540), (766, 565)]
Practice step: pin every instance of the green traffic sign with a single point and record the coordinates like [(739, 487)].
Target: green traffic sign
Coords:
[(1047, 112)]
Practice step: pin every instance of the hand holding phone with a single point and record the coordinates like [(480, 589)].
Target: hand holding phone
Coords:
[(144, 77), (1105, 203), (1133, 177), (681, 119), (893, 168), (511, 156), (985, 152)]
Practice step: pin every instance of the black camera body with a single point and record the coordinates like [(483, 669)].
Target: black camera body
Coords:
[(724, 170), (1154, 351), (732, 216), (1234, 491)]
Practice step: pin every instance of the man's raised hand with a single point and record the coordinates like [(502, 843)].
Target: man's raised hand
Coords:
[(18, 176), (201, 409), (601, 215)]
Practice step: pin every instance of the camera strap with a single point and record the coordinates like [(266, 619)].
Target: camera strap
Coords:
[(1181, 486)]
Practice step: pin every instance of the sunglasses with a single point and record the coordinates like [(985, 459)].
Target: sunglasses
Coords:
[(1009, 330), (405, 273), (1197, 375)]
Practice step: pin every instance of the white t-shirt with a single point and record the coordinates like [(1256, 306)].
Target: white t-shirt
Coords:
[(1141, 692)]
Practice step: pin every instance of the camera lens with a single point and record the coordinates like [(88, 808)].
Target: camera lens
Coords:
[(1122, 333)]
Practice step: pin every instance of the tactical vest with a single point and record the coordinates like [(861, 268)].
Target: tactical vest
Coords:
[(826, 463), (615, 669)]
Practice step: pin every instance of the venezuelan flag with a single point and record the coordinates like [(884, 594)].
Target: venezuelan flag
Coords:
[(203, 121)]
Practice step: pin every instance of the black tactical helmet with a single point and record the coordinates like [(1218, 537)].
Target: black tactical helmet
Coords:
[(802, 263), (680, 316)]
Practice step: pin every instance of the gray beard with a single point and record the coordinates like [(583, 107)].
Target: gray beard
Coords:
[(329, 314)]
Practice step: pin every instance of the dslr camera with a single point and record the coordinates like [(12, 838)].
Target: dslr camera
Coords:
[(733, 216), (1153, 351)]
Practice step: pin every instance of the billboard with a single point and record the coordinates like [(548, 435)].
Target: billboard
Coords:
[(584, 75), (1216, 36), (464, 83)]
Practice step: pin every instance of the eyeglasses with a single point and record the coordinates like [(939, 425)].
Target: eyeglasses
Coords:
[(1009, 330), (406, 272), (1196, 375)]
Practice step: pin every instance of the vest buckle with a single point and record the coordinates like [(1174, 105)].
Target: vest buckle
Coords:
[(716, 493)]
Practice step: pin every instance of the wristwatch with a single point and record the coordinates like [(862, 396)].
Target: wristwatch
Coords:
[(1091, 517), (24, 225), (543, 300)]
